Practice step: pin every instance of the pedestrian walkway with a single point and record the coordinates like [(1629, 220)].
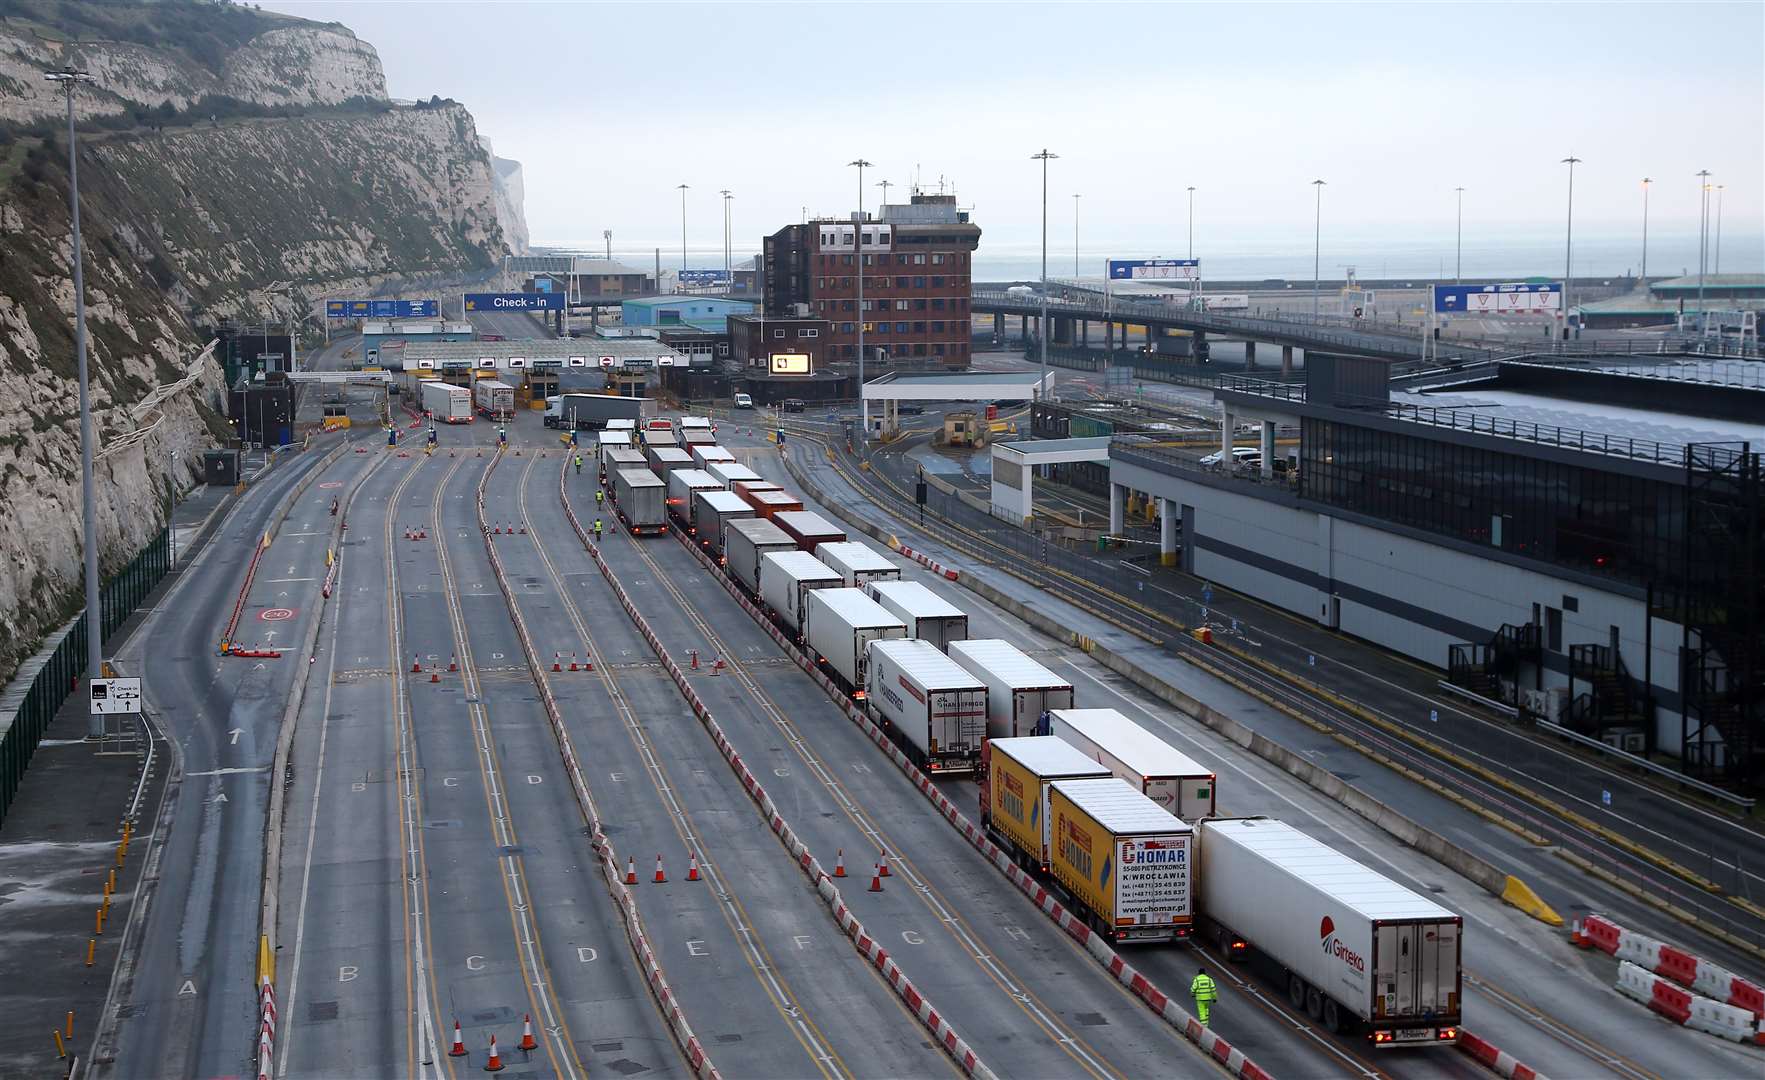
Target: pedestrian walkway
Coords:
[(60, 842)]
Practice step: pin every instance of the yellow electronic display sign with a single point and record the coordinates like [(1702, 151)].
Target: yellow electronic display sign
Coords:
[(790, 364)]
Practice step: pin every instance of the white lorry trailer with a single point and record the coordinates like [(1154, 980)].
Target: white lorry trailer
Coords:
[(704, 454), (614, 456), (711, 510), (734, 472), (1123, 860), (446, 402), (494, 398), (681, 485), (1019, 690), (665, 459), (639, 496), (745, 542), (572, 411), (857, 563), (838, 626), (1359, 951), (928, 616), (786, 578), (934, 710), (1168, 777)]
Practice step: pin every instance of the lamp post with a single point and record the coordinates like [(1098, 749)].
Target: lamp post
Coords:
[(607, 235), (1703, 244), (1569, 242), (1191, 221), (726, 197), (1075, 233), (1042, 329), (885, 185), (1317, 246), (858, 246), (69, 78), (682, 278), (1646, 181), (1458, 261)]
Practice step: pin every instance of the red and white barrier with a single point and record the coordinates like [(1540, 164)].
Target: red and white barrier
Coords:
[(929, 563), (1155, 999), (266, 1029), (958, 1049), (1495, 1059), (1687, 1009), (1660, 958), (701, 1062)]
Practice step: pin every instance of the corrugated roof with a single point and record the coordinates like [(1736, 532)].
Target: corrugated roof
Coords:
[(853, 556), (1324, 868), (801, 566), (1119, 808), (1121, 738), (1007, 662), (926, 664), (1048, 757), (914, 597), (854, 609)]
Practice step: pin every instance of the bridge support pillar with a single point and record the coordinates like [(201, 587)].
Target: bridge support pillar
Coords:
[(1061, 326), (1286, 360), (1228, 424), (1118, 498), (1109, 335), (1250, 356), (1085, 332), (1167, 532), (999, 326), (1268, 448), (1023, 328)]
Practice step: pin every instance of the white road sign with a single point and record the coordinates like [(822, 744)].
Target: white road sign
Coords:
[(116, 696)]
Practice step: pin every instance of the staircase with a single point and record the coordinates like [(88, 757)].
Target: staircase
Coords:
[(1604, 702), (1482, 668)]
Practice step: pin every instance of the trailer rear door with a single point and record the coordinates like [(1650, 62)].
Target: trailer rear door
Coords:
[(1418, 968)]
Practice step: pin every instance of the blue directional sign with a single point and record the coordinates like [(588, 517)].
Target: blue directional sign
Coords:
[(1517, 298), (518, 301), (703, 277), (382, 309), (1154, 269)]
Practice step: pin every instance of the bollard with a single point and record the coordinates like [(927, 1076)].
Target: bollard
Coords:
[(60, 1047), (98, 931), (70, 1023), (110, 886), (91, 950)]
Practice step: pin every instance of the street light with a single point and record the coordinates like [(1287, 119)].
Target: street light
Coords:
[(1458, 261), (1075, 234), (726, 197), (858, 245), (885, 185), (1042, 328), (607, 235), (69, 78), (1703, 244), (1646, 181), (1317, 246), (1191, 222), (1569, 242), (682, 238)]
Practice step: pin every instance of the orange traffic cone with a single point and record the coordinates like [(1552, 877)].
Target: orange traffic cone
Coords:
[(416, 666), (882, 868), (692, 868), (435, 675), (458, 1049), (572, 661), (495, 1064), (876, 880), (453, 663), (630, 870), (557, 661), (839, 863), (661, 875), (527, 1041), (1575, 936)]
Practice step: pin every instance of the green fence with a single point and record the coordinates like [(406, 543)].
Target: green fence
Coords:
[(28, 709)]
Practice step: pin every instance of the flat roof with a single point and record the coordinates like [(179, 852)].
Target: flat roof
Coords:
[(958, 378), (1671, 431), (958, 386), (537, 349), (1094, 449)]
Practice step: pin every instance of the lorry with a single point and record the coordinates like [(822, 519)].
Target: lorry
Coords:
[(623, 423), (638, 497), (697, 431), (1168, 777), (447, 403), (658, 437), (935, 711), (857, 563), (733, 473), (665, 459), (743, 487), (713, 509), (1123, 861), (928, 616), (1358, 951), (620, 457), (838, 626), (494, 398), (745, 542), (707, 454), (573, 411), (808, 528), (786, 577), (681, 485), (768, 503), (1014, 779), (1019, 690)]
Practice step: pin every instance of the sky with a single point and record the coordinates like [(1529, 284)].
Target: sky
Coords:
[(610, 106)]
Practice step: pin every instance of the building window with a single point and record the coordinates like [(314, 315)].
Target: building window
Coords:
[(919, 328), (938, 303), (845, 328), (919, 305), (778, 333), (937, 260), (870, 328), (938, 349), (919, 260), (900, 305), (937, 282), (808, 333), (882, 327), (938, 326), (919, 349), (900, 260), (845, 283), (846, 305), (846, 260), (919, 283), (722, 350), (900, 328)]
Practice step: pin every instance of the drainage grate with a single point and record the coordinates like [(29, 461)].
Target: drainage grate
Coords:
[(321, 1010), (1090, 1019), (608, 1047)]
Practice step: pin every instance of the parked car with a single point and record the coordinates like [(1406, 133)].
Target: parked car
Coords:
[(792, 404), (744, 401), (1240, 455)]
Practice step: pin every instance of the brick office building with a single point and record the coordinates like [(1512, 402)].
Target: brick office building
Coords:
[(918, 257)]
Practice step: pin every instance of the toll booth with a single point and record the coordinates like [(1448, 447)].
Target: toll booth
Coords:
[(457, 374), (627, 383), (538, 386)]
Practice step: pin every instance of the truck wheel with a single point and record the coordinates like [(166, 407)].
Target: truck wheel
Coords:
[(1332, 1016), (1314, 1003), (1296, 991)]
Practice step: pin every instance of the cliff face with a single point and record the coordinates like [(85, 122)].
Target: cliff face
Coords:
[(511, 196), (184, 223)]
